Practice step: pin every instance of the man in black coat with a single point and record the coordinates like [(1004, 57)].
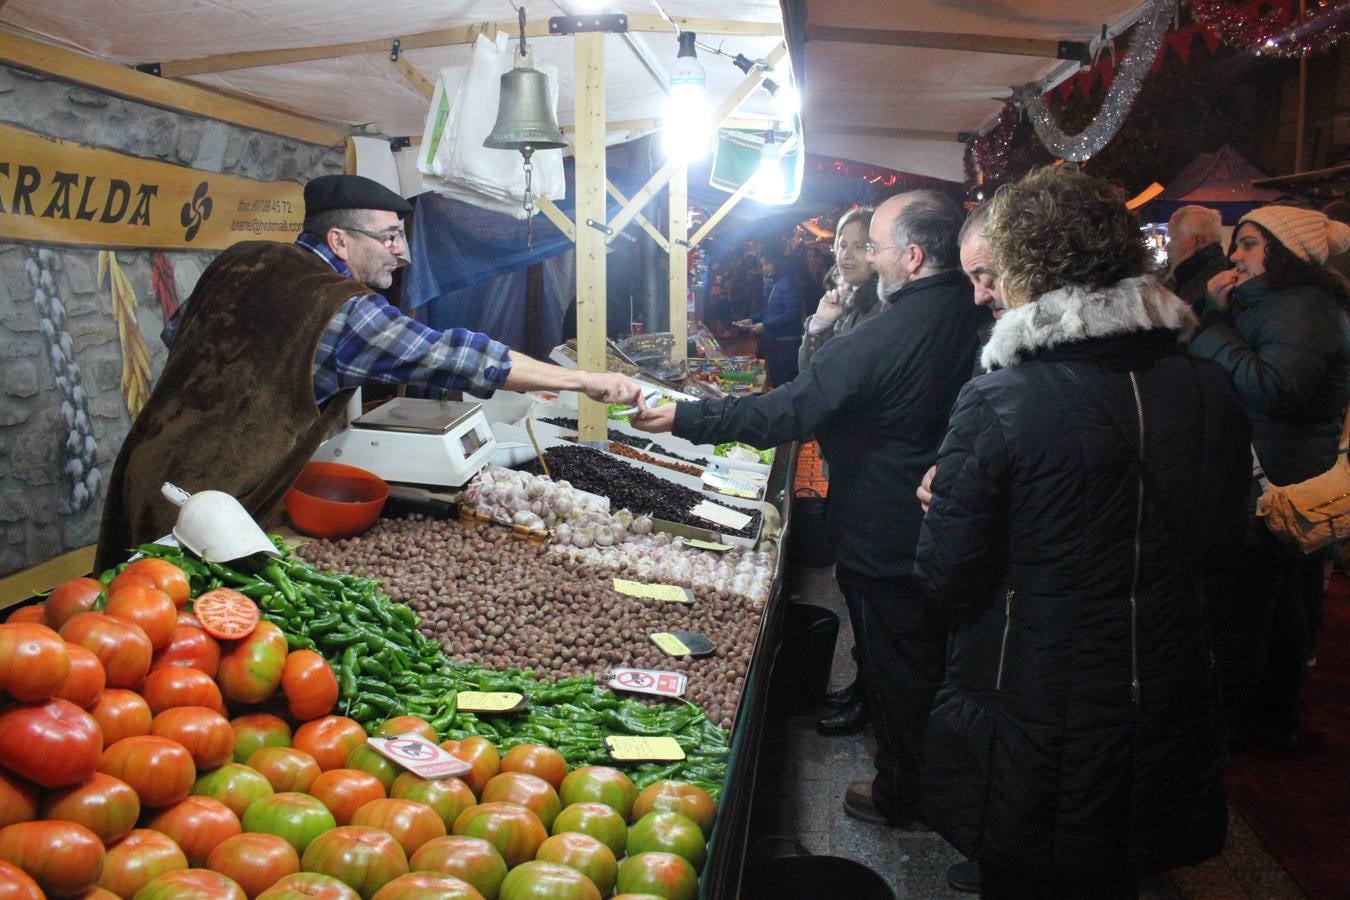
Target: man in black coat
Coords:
[(877, 399)]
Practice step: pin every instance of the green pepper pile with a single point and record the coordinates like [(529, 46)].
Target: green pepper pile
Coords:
[(386, 667)]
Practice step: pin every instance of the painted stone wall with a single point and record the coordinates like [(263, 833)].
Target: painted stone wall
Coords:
[(62, 414)]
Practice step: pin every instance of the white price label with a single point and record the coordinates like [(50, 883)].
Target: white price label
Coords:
[(420, 756), (648, 681), (721, 515)]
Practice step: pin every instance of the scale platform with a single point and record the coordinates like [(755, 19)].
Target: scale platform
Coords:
[(436, 443)]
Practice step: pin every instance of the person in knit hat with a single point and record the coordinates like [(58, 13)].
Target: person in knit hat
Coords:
[(1277, 322)]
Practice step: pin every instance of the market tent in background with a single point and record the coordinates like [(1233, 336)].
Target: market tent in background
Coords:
[(1221, 180)]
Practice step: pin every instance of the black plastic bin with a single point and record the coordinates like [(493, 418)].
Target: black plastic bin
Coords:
[(813, 878), (801, 676), (809, 541)]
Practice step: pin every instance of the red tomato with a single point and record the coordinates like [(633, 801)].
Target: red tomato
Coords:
[(298, 818), (309, 684), (197, 824), (121, 714), (16, 884), (410, 823), (254, 731), (148, 607), (447, 796), (33, 661), (159, 769), (515, 831), (479, 753), (309, 886), (192, 884), (226, 614), (678, 796), (162, 574), (105, 805), (126, 578), (401, 725), (597, 820), (98, 893), (204, 732), (257, 861), (329, 740), (584, 853), (529, 791), (18, 799), (85, 683), (62, 857), (669, 832), (35, 613), (251, 672), (235, 785), (133, 861), (363, 858), (663, 874), (344, 791), (286, 768), (418, 885), (367, 759), (70, 598), (191, 647), (600, 784), (181, 686), (470, 858), (536, 759), (547, 881), (53, 744), (121, 646)]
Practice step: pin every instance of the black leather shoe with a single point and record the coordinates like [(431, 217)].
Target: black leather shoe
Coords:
[(849, 720), (964, 876), (844, 696)]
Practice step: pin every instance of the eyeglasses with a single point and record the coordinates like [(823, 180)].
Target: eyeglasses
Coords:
[(873, 249), (389, 238)]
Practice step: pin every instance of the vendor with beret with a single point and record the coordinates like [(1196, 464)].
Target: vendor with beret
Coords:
[(270, 345)]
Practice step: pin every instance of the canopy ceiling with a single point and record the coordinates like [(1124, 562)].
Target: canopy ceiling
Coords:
[(870, 94)]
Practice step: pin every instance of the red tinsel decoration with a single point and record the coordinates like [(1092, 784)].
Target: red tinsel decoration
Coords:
[(1273, 27), (987, 154), (161, 280)]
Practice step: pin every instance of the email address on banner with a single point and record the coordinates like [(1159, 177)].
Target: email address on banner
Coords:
[(259, 226)]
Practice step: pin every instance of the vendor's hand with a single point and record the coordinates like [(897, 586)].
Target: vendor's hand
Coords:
[(925, 491), (757, 328), (1220, 286), (609, 387), (655, 419), (830, 308), (743, 324)]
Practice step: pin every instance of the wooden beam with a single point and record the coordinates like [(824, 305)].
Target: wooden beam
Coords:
[(420, 82), (730, 203), (592, 317), (557, 217), (16, 588), (464, 34), (642, 220), (934, 40), (749, 121), (678, 203), (748, 85), (79, 68), (913, 134)]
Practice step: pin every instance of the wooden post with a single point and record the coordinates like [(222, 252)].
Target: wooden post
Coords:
[(679, 262), (1300, 121), (592, 318)]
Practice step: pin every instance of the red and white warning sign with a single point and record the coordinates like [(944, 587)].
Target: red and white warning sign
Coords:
[(420, 756), (648, 681)]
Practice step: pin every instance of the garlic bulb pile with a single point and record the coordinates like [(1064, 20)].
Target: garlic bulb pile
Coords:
[(576, 517)]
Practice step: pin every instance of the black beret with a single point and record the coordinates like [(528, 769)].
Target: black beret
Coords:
[(351, 192)]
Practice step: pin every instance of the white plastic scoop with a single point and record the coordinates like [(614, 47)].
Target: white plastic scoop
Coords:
[(215, 526)]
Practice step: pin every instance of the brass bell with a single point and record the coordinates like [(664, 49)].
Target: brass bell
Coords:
[(524, 115)]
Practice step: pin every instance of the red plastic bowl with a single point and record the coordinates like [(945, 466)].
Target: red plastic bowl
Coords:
[(330, 500)]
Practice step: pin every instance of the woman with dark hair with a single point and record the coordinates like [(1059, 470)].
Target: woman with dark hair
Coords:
[(1277, 323), (1084, 485), (779, 322)]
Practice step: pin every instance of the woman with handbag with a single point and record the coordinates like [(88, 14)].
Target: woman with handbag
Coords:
[(1277, 323), (1085, 484)]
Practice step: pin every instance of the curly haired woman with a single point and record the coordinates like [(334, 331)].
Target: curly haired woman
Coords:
[(1084, 485)]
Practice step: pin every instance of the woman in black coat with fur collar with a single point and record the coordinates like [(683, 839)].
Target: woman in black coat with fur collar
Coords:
[(1084, 486)]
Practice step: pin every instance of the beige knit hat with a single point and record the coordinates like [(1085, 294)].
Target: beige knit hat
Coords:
[(1307, 234)]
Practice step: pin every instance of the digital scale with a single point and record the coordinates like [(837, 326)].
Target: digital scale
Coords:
[(434, 443)]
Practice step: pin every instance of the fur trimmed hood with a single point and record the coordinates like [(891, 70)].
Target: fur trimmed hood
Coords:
[(1077, 314)]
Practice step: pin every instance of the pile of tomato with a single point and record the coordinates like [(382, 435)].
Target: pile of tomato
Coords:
[(151, 751)]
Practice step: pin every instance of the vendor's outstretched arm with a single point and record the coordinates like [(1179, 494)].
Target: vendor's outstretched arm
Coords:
[(528, 374)]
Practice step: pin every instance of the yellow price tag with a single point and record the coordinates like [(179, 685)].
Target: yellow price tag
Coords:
[(706, 545), (487, 701), (670, 593), (670, 644), (630, 748)]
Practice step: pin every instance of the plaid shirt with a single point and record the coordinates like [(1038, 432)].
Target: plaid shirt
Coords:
[(369, 341)]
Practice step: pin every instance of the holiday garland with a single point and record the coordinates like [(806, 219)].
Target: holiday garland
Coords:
[(1272, 28)]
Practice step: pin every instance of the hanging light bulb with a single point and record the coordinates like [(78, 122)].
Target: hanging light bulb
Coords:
[(770, 181), (686, 130), (785, 101)]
